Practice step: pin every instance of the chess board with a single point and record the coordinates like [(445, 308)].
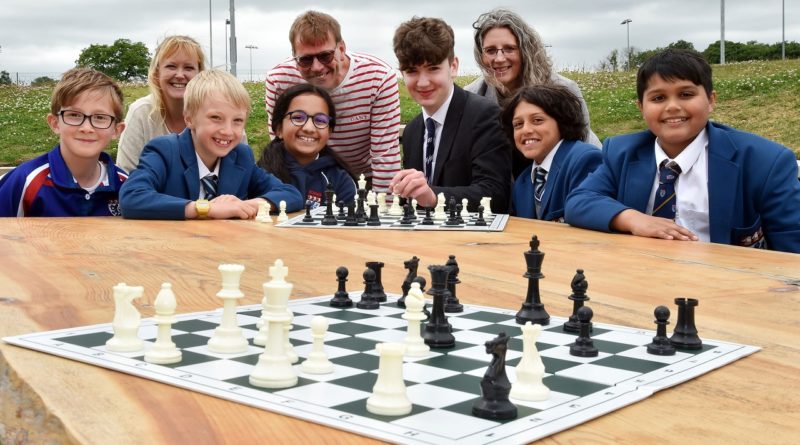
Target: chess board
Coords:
[(441, 386), (494, 223)]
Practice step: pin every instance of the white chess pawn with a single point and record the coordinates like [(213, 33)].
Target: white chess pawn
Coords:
[(389, 393), (395, 209), (334, 207), (382, 203), (164, 350), (415, 301), (439, 212), (228, 337), (464, 211), (126, 320), (530, 369), (263, 212), (362, 182), (317, 361), (486, 202), (282, 216)]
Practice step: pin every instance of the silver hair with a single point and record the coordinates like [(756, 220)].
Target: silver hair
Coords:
[(536, 65)]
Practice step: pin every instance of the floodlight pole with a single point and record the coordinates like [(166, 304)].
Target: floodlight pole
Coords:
[(722, 33), (234, 59), (783, 29), (627, 23), (210, 38), (227, 22), (251, 48)]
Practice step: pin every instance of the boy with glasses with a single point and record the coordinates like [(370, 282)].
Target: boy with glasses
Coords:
[(76, 178), (364, 91)]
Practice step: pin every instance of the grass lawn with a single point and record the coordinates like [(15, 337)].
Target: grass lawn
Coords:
[(759, 97)]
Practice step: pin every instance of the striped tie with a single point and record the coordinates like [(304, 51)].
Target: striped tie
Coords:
[(209, 183), (538, 188), (665, 202), (430, 126)]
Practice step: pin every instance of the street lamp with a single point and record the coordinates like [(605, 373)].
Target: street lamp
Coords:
[(627, 23), (227, 22), (210, 38), (251, 48)]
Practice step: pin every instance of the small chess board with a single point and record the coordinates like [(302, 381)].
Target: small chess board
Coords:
[(494, 223), (442, 386)]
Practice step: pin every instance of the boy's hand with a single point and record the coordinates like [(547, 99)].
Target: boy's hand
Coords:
[(640, 224), (254, 203), (229, 206), (412, 184)]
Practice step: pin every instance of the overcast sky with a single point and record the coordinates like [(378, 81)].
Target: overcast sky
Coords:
[(46, 36)]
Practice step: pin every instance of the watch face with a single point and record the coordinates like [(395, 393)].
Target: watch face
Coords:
[(202, 207)]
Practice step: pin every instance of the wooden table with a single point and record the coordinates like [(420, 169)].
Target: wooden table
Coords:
[(58, 273)]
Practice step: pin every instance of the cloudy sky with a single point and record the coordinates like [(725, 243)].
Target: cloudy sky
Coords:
[(46, 36)]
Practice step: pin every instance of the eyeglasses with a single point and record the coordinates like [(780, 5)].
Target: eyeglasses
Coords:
[(324, 58), (506, 50), (299, 118), (76, 118)]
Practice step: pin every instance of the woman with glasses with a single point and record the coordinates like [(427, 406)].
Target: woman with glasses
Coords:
[(512, 55), (299, 153), (177, 60)]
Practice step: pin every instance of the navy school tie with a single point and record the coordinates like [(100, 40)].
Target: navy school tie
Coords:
[(538, 188), (209, 183), (665, 203), (430, 126)]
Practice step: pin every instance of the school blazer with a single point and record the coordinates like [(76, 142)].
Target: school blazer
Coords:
[(753, 191), (474, 156), (167, 178), (573, 161)]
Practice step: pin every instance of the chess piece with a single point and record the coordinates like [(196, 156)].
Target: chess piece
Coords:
[(263, 212), (480, 221), (361, 214), (377, 288), (530, 369), (421, 280), (411, 265), (486, 202), (317, 361), (451, 303), (368, 300), (164, 350), (389, 393), (351, 220), (228, 337), (438, 332), (532, 309), (407, 218), (579, 286), (329, 219), (415, 345), (374, 220), (340, 216), (395, 209), (459, 218), (382, 203), (274, 367), (661, 344), (452, 216), (282, 216), (371, 198), (439, 213), (341, 298), (126, 320), (308, 218), (464, 213), (684, 336), (584, 345), (427, 220), (362, 182), (495, 386)]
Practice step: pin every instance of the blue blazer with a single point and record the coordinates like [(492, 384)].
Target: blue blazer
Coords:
[(753, 191), (573, 161), (168, 178)]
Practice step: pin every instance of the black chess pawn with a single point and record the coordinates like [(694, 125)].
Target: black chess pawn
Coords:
[(459, 218), (584, 345), (438, 331), (684, 336), (495, 386), (308, 218), (411, 265), (428, 219), (579, 286), (368, 301), (377, 288), (351, 220), (406, 219), (374, 219), (532, 309), (452, 215), (341, 298), (480, 221), (661, 344), (452, 304), (341, 215)]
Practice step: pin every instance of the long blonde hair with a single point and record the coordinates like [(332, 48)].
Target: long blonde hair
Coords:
[(166, 48), (536, 65)]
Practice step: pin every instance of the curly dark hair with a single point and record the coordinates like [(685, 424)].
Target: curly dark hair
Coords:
[(423, 40), (557, 101), (273, 156)]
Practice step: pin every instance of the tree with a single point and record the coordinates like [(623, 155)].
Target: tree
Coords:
[(123, 60), (42, 81), (5, 78), (611, 62)]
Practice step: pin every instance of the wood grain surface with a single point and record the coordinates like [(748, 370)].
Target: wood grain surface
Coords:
[(58, 272)]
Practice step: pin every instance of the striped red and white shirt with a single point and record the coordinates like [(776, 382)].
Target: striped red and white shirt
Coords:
[(367, 132)]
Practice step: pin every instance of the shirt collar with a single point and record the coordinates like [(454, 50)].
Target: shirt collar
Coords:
[(202, 170), (441, 113), (688, 157), (548, 160)]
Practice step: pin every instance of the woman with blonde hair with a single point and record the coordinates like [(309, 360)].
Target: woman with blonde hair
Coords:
[(512, 55), (176, 61)]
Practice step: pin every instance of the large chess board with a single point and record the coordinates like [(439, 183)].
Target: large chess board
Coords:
[(441, 386), (494, 223)]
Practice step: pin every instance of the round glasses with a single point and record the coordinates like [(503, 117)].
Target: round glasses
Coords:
[(299, 119), (506, 51), (324, 58), (76, 119)]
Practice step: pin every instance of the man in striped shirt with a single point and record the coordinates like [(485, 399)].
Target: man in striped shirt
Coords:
[(363, 88)]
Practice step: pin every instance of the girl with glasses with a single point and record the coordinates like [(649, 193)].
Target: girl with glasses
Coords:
[(299, 154)]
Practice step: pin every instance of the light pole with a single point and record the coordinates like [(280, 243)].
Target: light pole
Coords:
[(234, 53), (722, 32), (783, 29), (227, 22), (210, 39), (251, 48), (627, 23)]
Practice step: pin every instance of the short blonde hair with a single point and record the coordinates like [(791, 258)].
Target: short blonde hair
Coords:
[(80, 80), (167, 48), (214, 83)]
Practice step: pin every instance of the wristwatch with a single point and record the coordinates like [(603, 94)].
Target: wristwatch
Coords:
[(203, 207)]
